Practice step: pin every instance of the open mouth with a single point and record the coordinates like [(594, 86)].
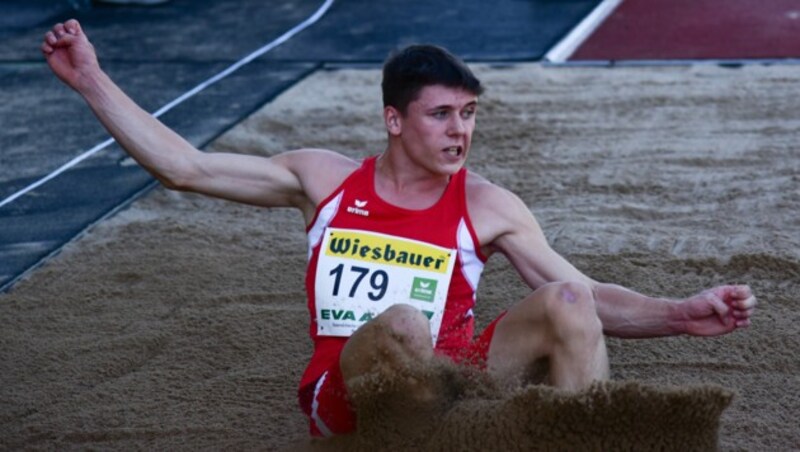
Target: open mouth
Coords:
[(455, 151)]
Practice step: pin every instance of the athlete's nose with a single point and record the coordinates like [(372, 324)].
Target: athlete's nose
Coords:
[(457, 126)]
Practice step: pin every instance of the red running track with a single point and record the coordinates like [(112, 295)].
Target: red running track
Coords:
[(696, 29)]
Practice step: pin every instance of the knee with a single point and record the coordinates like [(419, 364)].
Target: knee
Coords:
[(403, 316), (399, 330), (389, 342), (404, 324), (569, 295), (571, 311)]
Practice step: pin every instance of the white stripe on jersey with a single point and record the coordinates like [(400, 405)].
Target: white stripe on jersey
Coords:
[(315, 408), (324, 218), (471, 265)]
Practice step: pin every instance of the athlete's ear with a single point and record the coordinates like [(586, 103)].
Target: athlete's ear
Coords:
[(393, 120)]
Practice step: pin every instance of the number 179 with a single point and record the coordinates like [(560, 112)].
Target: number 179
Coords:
[(378, 280)]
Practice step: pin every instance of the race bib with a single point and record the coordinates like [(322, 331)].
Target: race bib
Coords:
[(360, 274)]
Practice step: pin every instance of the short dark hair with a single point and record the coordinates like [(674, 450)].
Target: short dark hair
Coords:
[(408, 71)]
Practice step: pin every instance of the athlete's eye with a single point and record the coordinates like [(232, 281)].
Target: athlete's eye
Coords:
[(468, 113), (439, 114)]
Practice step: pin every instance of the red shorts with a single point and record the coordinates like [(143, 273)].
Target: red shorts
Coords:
[(328, 407)]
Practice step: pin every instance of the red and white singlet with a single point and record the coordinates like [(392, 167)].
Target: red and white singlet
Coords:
[(366, 255)]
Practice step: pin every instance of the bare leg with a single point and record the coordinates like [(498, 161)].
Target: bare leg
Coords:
[(557, 323), (392, 342)]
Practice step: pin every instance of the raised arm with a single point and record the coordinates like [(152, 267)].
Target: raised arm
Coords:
[(293, 179), (504, 223)]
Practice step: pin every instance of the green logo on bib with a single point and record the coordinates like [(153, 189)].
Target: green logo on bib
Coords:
[(423, 289)]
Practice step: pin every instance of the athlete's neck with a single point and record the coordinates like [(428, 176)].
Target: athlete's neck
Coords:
[(400, 182)]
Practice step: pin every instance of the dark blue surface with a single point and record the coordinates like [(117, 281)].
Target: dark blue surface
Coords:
[(499, 30), (19, 16), (36, 225), (157, 53)]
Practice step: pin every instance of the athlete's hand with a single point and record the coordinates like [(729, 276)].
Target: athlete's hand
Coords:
[(69, 53), (719, 310)]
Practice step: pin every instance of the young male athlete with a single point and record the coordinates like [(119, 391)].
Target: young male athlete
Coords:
[(397, 241)]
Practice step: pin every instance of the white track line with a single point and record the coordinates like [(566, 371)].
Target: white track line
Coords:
[(567, 46), (234, 67)]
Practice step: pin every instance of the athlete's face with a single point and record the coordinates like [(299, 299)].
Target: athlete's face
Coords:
[(436, 131)]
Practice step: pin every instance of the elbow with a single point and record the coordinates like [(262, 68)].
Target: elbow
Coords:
[(175, 183), (172, 183), (170, 180), (181, 176)]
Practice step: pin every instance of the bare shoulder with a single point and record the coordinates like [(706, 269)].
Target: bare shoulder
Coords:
[(485, 198), (320, 171), (495, 211), (311, 159)]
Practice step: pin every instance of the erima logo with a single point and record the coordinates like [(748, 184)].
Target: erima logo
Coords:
[(359, 208)]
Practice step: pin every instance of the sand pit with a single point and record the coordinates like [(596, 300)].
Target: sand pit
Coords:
[(472, 414), (180, 323)]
